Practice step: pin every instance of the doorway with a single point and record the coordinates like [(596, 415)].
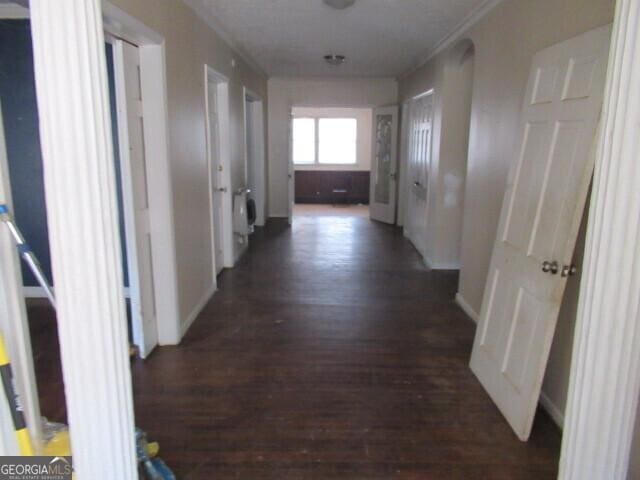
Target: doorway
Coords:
[(420, 130), (220, 198), (435, 154), (255, 160), (330, 167)]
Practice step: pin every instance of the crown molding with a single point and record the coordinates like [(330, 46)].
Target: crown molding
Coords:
[(467, 22), (205, 14)]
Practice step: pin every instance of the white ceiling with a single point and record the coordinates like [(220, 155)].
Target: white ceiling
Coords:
[(381, 38)]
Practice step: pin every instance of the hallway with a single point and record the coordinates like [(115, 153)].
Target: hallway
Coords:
[(330, 353)]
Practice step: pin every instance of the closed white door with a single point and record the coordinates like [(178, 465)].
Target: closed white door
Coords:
[(420, 125), (540, 217), (216, 176), (134, 165), (382, 195)]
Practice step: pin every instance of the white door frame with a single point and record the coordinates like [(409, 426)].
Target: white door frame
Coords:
[(605, 375), (404, 143), (605, 369), (379, 211), (213, 77), (119, 24), (145, 334), (258, 194)]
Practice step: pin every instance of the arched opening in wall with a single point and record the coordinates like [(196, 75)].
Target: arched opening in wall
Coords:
[(454, 150)]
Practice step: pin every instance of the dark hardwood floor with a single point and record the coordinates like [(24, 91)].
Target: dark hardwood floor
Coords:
[(329, 352)]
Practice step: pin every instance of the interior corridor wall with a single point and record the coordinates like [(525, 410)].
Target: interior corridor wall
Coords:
[(285, 93), (20, 122), (505, 41), (190, 44)]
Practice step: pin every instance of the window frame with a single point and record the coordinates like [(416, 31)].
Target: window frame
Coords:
[(316, 133)]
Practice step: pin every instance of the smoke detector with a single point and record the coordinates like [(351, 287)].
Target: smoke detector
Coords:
[(333, 59), (339, 4)]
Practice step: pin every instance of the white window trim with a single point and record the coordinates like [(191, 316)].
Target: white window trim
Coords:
[(316, 132)]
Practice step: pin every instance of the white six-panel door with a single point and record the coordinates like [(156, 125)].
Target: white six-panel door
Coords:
[(420, 136), (383, 184), (541, 213), (216, 180), (135, 189)]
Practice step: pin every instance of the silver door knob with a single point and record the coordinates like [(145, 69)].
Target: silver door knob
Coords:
[(221, 189), (416, 183), (569, 271), (550, 267)]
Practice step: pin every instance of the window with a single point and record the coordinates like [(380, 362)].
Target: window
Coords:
[(337, 140), (326, 141)]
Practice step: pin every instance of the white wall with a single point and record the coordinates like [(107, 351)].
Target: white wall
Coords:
[(451, 85), (285, 93), (505, 41), (190, 44), (364, 118)]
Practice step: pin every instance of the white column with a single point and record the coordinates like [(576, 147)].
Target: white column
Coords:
[(71, 83), (605, 374)]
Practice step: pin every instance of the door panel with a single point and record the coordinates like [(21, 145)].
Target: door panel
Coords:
[(216, 181), (384, 165), (136, 197), (541, 214), (420, 125)]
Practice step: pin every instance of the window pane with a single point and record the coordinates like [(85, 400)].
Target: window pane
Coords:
[(304, 140), (337, 140)]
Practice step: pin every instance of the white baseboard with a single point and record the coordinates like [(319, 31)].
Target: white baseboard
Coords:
[(278, 215), (431, 265), (464, 305), (444, 266), (196, 310), (552, 409)]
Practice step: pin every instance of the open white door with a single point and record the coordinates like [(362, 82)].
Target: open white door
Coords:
[(382, 191), (541, 214), (135, 192)]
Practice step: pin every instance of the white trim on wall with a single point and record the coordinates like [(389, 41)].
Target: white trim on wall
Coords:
[(257, 153), (212, 76), (552, 409), (155, 111), (198, 308), (80, 189), (455, 34), (467, 308), (205, 14), (605, 369)]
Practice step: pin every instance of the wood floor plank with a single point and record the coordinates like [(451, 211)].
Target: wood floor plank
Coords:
[(329, 352)]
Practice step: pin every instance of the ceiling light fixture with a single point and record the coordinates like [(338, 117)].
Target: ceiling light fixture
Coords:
[(339, 4), (333, 59)]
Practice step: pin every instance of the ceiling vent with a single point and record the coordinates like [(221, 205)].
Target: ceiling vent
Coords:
[(333, 59), (339, 4)]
